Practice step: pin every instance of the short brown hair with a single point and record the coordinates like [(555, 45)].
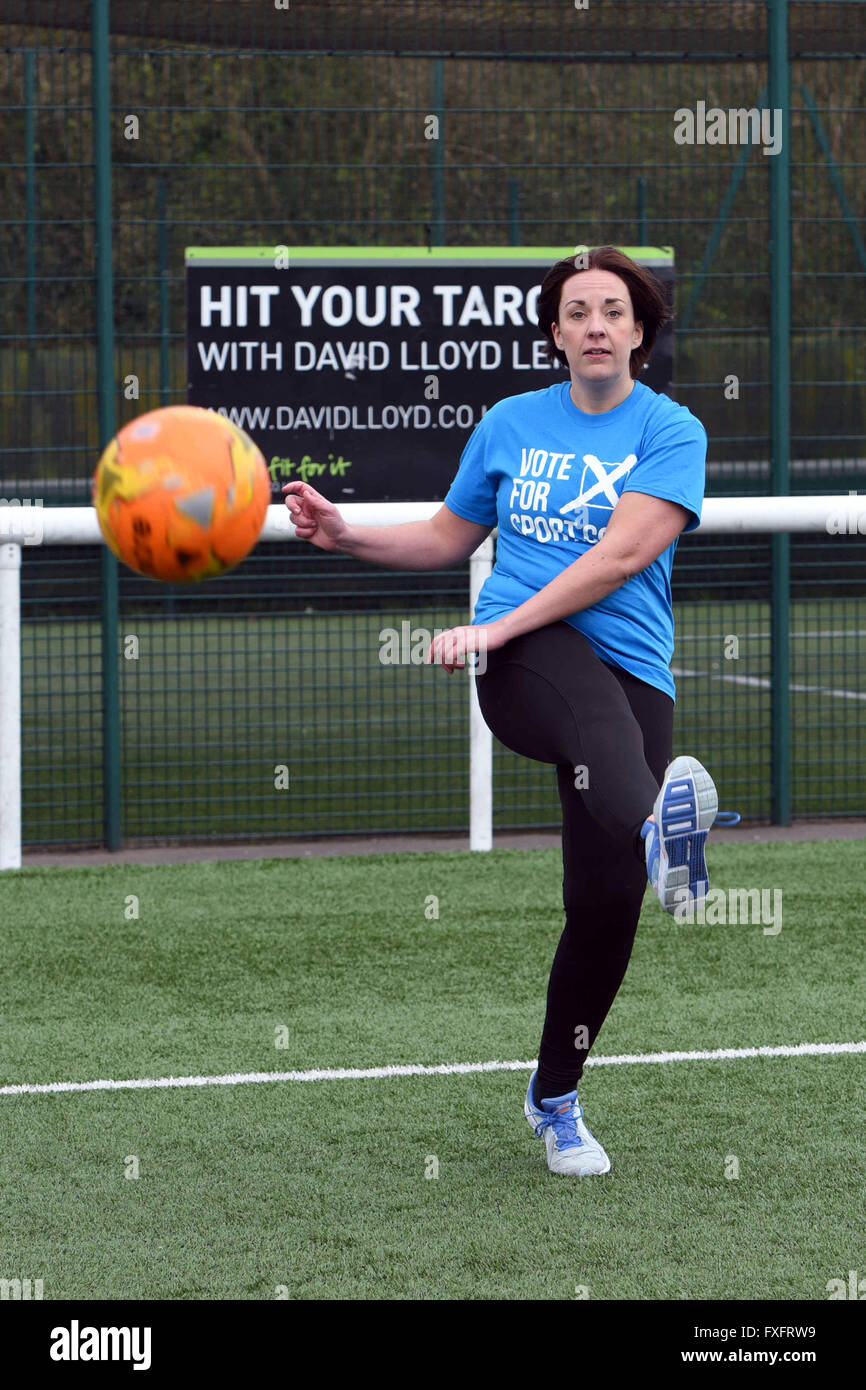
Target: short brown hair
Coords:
[(647, 299)]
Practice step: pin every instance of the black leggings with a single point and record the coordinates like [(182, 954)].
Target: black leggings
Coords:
[(547, 696)]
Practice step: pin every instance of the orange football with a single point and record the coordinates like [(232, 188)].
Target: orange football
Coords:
[(181, 494)]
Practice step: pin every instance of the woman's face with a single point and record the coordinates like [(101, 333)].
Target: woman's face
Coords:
[(596, 328)]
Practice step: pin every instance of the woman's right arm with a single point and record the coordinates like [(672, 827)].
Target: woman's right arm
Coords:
[(445, 540)]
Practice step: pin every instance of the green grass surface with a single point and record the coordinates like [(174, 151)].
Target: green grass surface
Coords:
[(320, 1186)]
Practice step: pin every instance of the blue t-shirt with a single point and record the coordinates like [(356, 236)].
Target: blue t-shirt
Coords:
[(549, 475)]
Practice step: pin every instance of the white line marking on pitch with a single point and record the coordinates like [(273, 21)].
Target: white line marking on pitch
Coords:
[(755, 636), (626, 1059), (763, 684)]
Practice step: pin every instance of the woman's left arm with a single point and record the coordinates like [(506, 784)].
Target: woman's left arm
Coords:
[(640, 528)]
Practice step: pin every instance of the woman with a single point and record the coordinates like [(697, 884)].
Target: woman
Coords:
[(590, 482)]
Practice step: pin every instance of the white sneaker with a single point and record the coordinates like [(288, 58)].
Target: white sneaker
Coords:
[(570, 1146), (684, 811)]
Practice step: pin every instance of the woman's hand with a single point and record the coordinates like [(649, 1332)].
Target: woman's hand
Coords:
[(314, 517), (449, 649)]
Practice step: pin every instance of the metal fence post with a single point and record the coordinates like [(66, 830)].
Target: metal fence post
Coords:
[(780, 423), (10, 705), (480, 737), (106, 403), (30, 230)]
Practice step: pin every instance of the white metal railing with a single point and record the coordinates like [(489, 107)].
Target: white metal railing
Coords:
[(78, 526)]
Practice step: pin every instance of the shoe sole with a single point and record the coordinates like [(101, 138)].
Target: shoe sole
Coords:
[(684, 812)]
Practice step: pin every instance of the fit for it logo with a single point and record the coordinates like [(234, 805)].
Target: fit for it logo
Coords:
[(736, 126), (76, 1343)]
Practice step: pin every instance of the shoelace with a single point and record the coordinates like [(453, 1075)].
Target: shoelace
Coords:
[(564, 1123)]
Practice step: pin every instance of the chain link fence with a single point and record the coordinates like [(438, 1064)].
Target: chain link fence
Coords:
[(217, 123)]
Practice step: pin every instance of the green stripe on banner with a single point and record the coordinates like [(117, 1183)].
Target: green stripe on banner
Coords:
[(654, 255)]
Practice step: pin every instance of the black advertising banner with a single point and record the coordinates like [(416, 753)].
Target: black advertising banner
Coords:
[(364, 371)]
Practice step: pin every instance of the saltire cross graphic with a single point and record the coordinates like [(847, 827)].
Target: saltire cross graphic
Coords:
[(604, 481)]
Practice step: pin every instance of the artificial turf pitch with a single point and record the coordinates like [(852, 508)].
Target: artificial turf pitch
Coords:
[(317, 1189)]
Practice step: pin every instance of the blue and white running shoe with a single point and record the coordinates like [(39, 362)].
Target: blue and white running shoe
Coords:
[(570, 1146), (684, 811)]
